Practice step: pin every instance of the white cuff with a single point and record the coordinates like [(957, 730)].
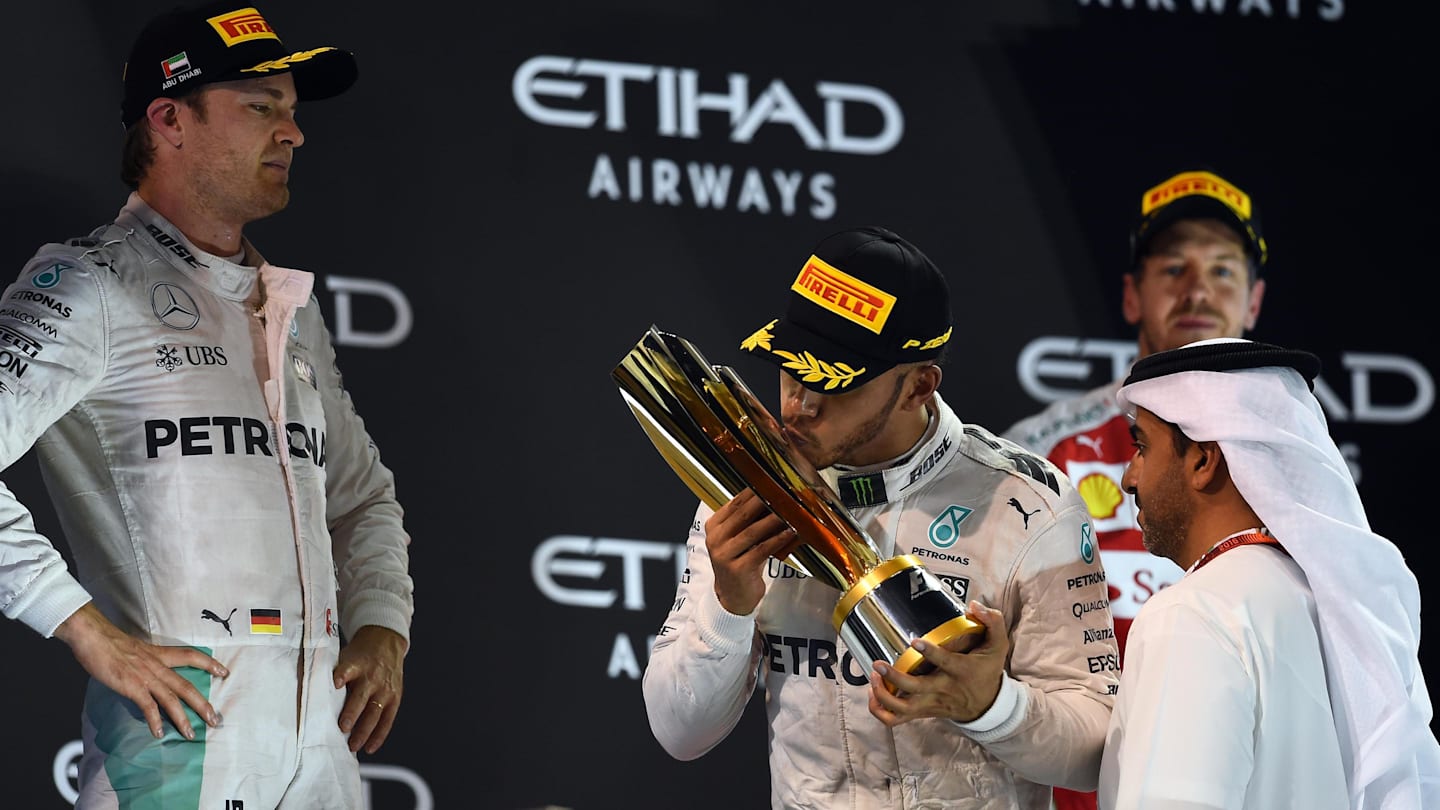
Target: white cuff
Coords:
[(379, 608), (48, 601), (722, 630), (1004, 715)]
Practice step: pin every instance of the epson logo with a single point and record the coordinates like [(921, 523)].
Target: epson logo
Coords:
[(557, 91), (1109, 662)]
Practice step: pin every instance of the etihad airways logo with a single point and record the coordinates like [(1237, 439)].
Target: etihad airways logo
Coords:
[(552, 90), (678, 103), (844, 295), (1326, 10), (240, 26)]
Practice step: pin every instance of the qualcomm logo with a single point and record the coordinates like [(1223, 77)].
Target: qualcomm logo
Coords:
[(66, 772)]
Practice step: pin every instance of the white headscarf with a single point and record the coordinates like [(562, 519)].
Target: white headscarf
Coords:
[(1280, 454)]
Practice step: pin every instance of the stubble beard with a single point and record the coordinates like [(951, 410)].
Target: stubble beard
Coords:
[(219, 191), (1168, 516), (844, 449)]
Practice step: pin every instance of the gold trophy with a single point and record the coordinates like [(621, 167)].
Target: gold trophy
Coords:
[(719, 439)]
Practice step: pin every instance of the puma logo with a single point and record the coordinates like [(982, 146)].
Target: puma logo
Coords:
[(225, 622), (1015, 502), (1091, 442)]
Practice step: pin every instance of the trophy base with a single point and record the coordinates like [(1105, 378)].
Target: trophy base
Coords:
[(897, 601)]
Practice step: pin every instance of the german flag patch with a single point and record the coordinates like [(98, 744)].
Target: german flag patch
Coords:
[(265, 622)]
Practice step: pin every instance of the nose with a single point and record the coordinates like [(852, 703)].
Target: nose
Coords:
[(289, 133), (1198, 289), (1127, 481), (800, 401)]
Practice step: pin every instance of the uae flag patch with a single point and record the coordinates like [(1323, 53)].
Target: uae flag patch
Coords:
[(264, 621), (179, 63)]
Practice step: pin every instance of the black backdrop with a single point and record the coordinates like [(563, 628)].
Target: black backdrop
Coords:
[(511, 195)]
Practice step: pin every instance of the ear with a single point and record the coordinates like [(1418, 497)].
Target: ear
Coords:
[(163, 114), (1252, 310), (922, 385), (1207, 464), (1130, 298)]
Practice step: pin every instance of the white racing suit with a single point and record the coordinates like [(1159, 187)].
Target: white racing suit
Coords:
[(993, 523), (217, 490)]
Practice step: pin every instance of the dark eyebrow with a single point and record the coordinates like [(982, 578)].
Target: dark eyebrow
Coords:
[(1134, 432), (265, 90), (1174, 253)]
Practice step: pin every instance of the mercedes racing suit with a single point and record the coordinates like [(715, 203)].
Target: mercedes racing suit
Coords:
[(1088, 437), (992, 522), (217, 490)]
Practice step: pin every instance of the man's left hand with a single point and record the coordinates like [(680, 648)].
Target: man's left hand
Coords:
[(962, 686), (372, 664)]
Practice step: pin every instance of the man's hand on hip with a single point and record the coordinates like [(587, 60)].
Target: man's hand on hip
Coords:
[(144, 673)]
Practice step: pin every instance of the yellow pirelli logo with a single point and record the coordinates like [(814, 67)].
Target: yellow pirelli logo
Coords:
[(243, 25), (844, 295), (1191, 183)]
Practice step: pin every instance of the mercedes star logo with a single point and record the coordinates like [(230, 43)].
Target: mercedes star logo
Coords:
[(174, 307)]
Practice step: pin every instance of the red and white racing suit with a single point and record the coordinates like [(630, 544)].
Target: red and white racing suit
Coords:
[(217, 490), (994, 523), (1088, 437)]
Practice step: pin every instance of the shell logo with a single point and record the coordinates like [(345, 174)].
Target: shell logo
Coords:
[(1102, 495)]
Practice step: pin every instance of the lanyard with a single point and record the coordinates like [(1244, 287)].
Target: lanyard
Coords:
[(1238, 540)]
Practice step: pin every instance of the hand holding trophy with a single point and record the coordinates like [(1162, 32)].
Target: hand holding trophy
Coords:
[(719, 439)]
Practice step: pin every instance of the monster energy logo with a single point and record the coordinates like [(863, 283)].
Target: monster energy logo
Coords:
[(863, 490)]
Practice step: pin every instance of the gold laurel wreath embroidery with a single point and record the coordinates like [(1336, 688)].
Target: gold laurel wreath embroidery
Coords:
[(284, 62), (814, 370), (761, 338)]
